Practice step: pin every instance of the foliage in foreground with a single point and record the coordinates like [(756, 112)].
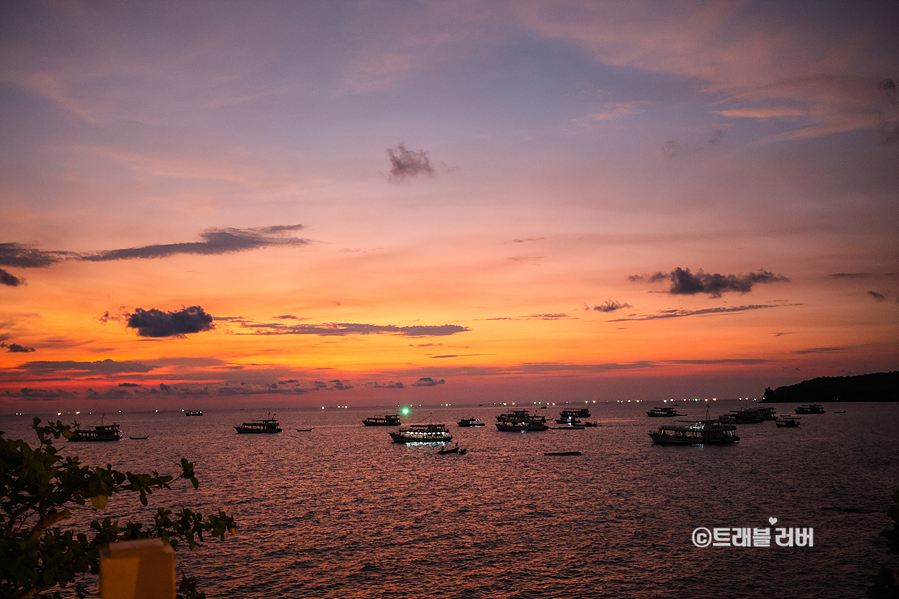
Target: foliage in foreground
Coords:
[(39, 488), (886, 583)]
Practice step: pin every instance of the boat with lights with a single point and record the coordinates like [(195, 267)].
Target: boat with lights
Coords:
[(814, 408), (573, 416), (422, 433), (386, 420), (699, 432), (662, 413), (103, 432), (263, 426), (470, 422), (521, 421)]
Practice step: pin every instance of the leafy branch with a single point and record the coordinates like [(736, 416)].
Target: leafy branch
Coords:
[(39, 488)]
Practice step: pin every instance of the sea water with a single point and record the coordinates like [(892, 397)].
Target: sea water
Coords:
[(341, 511)]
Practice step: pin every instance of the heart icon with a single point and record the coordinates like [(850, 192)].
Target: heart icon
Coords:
[(772, 520)]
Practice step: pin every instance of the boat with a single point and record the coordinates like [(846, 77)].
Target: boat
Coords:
[(787, 422), (840, 412), (139, 438), (386, 420), (561, 453), (700, 432), (570, 427), (591, 424), (303, 430), (814, 408), (572, 416), (193, 412), (454, 449), (470, 422), (749, 416), (521, 421), (422, 433), (662, 412), (103, 432), (263, 426)]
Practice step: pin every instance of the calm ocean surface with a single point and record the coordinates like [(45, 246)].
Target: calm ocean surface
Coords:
[(341, 511)]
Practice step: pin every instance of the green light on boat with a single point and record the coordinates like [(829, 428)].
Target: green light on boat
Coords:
[(405, 411)]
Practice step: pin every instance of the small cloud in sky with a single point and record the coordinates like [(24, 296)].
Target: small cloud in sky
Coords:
[(106, 366), (389, 385), (16, 348), (684, 282), (878, 297), (332, 329), (705, 312), (427, 381), (215, 241), (408, 163), (10, 280), (850, 275), (611, 306), (156, 323), (15, 254), (819, 350)]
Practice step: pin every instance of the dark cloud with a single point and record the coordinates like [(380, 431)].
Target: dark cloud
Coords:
[(850, 275), (390, 385), (215, 241), (16, 348), (156, 323), (14, 254), (705, 312), (10, 280), (427, 381), (349, 328), (878, 297), (819, 350), (683, 282), (406, 163), (611, 306)]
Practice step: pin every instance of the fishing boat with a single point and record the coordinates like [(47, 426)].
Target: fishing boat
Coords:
[(787, 422), (521, 421), (814, 408), (748, 416), (263, 426), (103, 432), (700, 432), (422, 433), (470, 422), (454, 449), (386, 420), (193, 412), (662, 412), (139, 438), (573, 416)]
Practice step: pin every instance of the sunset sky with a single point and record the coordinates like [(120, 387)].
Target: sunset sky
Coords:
[(377, 203)]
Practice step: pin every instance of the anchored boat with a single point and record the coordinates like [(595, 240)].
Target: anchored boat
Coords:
[(264, 426), (422, 433)]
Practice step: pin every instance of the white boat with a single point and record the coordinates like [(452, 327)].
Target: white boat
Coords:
[(104, 432), (422, 433)]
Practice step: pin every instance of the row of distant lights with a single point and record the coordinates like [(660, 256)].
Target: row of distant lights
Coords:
[(536, 403), (667, 400)]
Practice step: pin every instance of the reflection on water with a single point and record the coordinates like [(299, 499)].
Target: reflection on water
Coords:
[(341, 511)]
